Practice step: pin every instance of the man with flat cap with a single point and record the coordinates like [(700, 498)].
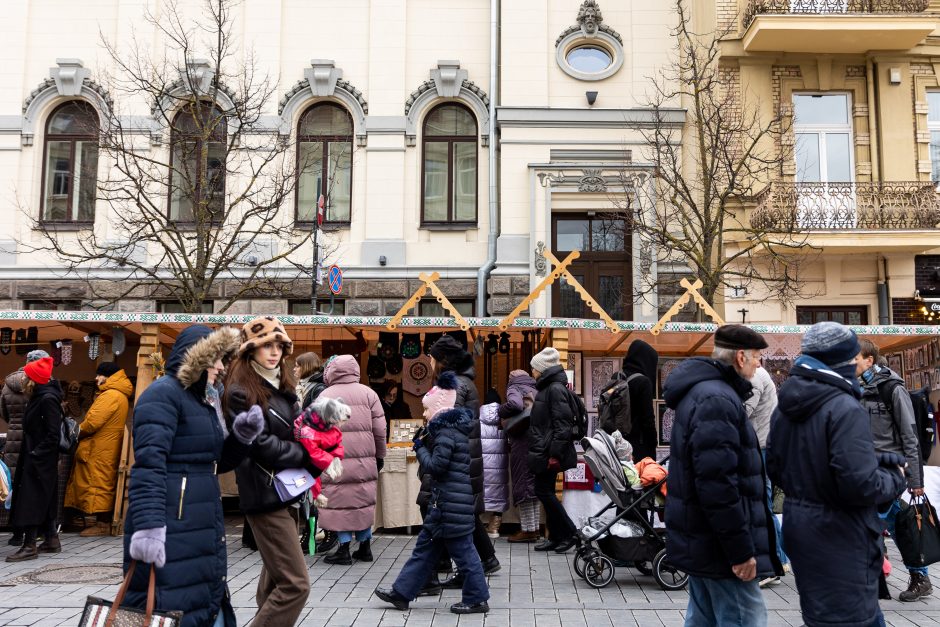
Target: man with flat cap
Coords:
[(718, 523)]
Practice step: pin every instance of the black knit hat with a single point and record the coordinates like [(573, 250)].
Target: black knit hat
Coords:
[(447, 350), (107, 368), (739, 337)]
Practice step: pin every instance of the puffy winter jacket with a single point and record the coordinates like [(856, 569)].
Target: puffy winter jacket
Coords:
[(495, 460), (12, 406), (716, 514), (893, 430), (469, 398), (820, 452), (273, 451), (551, 425), (178, 438), (451, 510)]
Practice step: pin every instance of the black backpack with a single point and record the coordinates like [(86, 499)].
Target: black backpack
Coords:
[(613, 406), (923, 418), (579, 411)]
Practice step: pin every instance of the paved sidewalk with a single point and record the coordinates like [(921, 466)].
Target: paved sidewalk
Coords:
[(531, 589)]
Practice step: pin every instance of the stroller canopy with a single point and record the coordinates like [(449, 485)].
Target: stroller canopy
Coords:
[(601, 456)]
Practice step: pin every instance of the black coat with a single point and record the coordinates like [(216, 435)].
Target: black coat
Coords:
[(36, 482), (178, 437), (273, 451), (446, 462), (716, 513), (552, 423), (820, 452), (641, 359)]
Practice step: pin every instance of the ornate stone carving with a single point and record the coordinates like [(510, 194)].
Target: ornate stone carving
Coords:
[(541, 265), (199, 75), (198, 79), (303, 84), (69, 76), (592, 181), (590, 22), (448, 78), (428, 85), (322, 76)]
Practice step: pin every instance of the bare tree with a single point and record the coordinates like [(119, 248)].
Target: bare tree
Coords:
[(199, 193), (691, 209)]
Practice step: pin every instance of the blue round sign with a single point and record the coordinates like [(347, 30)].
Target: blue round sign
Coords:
[(335, 277)]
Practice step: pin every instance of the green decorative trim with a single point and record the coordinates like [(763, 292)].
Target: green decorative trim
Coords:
[(378, 322)]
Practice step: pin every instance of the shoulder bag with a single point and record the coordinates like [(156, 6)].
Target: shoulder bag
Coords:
[(101, 613)]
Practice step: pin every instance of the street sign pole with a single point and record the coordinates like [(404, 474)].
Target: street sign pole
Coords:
[(316, 257)]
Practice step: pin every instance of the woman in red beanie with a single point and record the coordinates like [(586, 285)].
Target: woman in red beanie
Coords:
[(35, 486)]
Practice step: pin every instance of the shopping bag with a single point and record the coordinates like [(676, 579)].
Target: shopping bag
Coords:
[(102, 613), (917, 533), (292, 482)]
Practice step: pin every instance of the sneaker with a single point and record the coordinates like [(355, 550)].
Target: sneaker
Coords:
[(918, 588), (769, 581), (390, 596), (476, 608)]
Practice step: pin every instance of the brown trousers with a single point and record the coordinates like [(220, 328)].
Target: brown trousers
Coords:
[(284, 583)]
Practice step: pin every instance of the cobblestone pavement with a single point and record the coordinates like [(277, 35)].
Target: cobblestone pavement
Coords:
[(531, 589)]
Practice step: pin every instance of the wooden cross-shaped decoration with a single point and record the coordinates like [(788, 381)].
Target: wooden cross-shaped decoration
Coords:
[(429, 284), (691, 291), (559, 269)]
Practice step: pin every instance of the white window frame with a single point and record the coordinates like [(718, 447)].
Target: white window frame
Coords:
[(808, 205)]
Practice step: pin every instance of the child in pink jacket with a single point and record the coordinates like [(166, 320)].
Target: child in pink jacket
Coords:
[(317, 430)]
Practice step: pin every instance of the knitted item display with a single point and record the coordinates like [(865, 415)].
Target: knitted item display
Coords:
[(504, 343), (118, 341), (6, 340), (478, 345), (94, 345), (66, 352), (387, 346), (410, 345), (21, 348), (55, 351)]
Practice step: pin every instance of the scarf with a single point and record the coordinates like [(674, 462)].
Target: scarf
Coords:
[(845, 372), (214, 398), (272, 376)]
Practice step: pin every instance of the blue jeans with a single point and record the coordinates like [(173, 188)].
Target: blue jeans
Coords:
[(889, 519), (770, 505), (725, 603), (423, 560), (345, 537)]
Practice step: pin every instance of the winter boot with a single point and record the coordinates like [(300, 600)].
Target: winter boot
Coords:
[(341, 556), (98, 529), (492, 527), (26, 552), (327, 544), (364, 552), (918, 588), (16, 539), (50, 545)]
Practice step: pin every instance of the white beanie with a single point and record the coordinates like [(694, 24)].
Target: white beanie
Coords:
[(546, 359)]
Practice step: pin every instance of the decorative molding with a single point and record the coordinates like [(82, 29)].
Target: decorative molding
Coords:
[(590, 23), (550, 117), (322, 76), (592, 181), (323, 80), (541, 264), (447, 79), (197, 80), (70, 79)]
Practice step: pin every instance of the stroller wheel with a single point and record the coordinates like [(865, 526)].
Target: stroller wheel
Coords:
[(581, 558), (599, 571), (668, 576), (644, 567)]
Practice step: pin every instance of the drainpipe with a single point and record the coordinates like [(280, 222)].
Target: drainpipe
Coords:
[(484, 272), (884, 311), (874, 128)]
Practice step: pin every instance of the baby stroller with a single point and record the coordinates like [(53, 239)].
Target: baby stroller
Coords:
[(644, 547)]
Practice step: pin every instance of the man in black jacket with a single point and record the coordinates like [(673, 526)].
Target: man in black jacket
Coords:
[(717, 519)]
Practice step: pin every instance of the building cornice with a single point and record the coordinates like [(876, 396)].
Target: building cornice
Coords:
[(549, 117)]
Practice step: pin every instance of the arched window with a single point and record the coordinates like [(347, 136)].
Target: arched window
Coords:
[(197, 164), (71, 163), (324, 159), (450, 166)]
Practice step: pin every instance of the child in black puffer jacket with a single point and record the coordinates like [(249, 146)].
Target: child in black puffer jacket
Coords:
[(451, 517)]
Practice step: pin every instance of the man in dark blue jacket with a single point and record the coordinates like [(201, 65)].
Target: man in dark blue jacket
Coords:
[(820, 452), (717, 519)]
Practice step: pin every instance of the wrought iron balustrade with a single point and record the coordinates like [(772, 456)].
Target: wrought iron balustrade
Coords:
[(905, 205), (831, 7)]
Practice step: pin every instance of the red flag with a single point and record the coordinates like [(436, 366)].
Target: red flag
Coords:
[(320, 213)]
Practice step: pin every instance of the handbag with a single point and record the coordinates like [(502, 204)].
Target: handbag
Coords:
[(68, 435), (292, 482), (917, 533), (518, 424), (102, 613)]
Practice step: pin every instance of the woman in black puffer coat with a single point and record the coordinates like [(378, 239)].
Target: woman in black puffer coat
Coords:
[(259, 377), (551, 445), (448, 355)]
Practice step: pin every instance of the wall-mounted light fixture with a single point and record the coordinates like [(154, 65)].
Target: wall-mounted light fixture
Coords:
[(382, 260), (894, 76), (591, 97)]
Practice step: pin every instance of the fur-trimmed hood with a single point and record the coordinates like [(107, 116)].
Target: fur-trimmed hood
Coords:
[(459, 418), (201, 354)]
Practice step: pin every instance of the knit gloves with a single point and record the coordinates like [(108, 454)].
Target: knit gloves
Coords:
[(149, 545), (335, 470), (891, 460), (248, 425)]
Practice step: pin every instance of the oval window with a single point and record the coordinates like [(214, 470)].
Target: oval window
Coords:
[(589, 59)]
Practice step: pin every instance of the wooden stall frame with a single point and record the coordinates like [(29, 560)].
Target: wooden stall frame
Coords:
[(429, 285), (691, 291)]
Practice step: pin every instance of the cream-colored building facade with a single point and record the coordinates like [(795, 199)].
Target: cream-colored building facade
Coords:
[(553, 93), (858, 85)]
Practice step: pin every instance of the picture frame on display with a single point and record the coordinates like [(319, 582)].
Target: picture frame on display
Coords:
[(895, 363), (574, 364), (597, 373), (665, 417)]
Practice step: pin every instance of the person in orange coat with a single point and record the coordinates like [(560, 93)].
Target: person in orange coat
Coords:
[(93, 482)]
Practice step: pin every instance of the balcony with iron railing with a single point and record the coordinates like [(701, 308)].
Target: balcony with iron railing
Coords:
[(882, 214), (835, 26)]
